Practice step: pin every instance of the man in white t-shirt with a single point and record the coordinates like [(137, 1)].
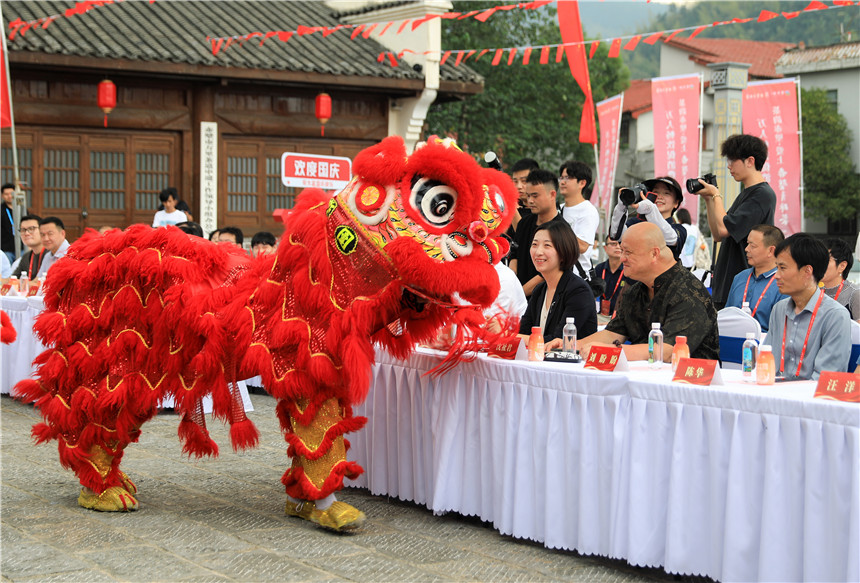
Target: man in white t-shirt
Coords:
[(573, 182), (169, 216)]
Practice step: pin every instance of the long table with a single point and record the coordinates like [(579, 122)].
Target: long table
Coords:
[(738, 482)]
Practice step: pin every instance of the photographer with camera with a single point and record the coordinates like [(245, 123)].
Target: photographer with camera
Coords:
[(655, 201), (755, 205)]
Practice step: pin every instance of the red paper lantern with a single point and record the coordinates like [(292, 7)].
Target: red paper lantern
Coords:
[(107, 97), (323, 110)]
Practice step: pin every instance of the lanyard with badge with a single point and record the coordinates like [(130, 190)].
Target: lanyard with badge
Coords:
[(805, 340), (764, 291), (605, 301)]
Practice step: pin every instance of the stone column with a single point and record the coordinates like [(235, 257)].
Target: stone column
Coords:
[(728, 80)]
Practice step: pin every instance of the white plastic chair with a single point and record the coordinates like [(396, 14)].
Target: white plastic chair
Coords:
[(734, 325), (855, 344)]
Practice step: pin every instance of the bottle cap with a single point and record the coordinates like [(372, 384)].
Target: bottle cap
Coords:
[(535, 329), (750, 335), (680, 339), (655, 326), (765, 347), (571, 320)]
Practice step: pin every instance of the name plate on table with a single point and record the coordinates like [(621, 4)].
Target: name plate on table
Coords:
[(5, 288), (698, 371), (509, 349), (33, 291), (838, 386), (606, 358)]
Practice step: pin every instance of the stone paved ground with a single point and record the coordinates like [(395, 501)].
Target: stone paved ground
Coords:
[(222, 520)]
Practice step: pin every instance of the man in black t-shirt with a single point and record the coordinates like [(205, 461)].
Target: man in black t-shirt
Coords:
[(755, 205), (541, 187)]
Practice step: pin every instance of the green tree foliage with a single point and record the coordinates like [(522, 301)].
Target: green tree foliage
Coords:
[(815, 28), (529, 111), (832, 185)]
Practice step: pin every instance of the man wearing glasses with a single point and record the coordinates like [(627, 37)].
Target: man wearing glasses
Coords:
[(573, 181), (31, 261)]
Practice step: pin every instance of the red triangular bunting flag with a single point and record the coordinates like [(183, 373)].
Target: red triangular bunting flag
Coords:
[(380, 58), (544, 55), (593, 49), (469, 54), (385, 28), (392, 60), (653, 38), (497, 57), (766, 15), (790, 15), (631, 44), (615, 49), (511, 56), (558, 53), (445, 57), (285, 35), (481, 54), (697, 31), (48, 21), (468, 14), (459, 58), (402, 26), (216, 45), (527, 55), (356, 31), (368, 31), (815, 5), (673, 35), (483, 16), (843, 3)]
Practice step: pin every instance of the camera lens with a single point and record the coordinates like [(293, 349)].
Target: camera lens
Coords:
[(693, 185), (627, 196)]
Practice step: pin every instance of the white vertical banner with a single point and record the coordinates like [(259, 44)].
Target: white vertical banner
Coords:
[(609, 120), (208, 176), (675, 103)]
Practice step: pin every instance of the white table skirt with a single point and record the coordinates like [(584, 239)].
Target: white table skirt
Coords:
[(738, 483)]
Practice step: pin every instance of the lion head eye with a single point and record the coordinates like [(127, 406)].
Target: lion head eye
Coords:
[(434, 200)]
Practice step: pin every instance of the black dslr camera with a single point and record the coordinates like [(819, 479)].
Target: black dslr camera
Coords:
[(630, 195), (693, 185)]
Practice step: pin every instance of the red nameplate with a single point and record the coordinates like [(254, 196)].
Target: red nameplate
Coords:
[(603, 358), (4, 289), (506, 348), (695, 371), (33, 291), (839, 386)]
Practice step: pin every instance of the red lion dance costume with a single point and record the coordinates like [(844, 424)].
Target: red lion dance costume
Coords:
[(137, 315)]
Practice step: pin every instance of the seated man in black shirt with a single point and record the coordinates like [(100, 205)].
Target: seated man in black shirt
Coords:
[(541, 188), (664, 292)]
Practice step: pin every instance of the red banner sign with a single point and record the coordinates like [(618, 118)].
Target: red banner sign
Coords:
[(609, 119), (675, 103), (603, 358), (695, 371), (839, 386), (313, 171), (770, 112)]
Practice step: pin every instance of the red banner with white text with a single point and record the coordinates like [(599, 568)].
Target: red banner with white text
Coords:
[(675, 106), (770, 112), (609, 120)]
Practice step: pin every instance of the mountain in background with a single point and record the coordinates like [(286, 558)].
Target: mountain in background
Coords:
[(610, 19)]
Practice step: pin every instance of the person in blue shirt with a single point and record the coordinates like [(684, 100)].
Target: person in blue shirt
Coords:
[(756, 285)]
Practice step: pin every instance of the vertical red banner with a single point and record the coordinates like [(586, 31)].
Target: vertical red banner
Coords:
[(570, 27), (675, 106), (770, 112), (609, 120), (5, 96)]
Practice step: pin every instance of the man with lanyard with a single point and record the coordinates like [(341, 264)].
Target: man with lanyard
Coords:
[(755, 286), (809, 331), (610, 271), (835, 281), (7, 217), (31, 261)]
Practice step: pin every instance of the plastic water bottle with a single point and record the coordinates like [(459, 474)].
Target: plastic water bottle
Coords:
[(535, 346), (655, 346), (24, 283), (569, 336), (745, 308), (750, 352), (765, 369)]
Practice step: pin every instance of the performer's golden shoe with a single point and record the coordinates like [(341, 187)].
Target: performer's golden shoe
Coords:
[(129, 486), (114, 499), (340, 516)]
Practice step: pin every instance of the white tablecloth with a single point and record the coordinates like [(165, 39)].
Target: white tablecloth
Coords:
[(738, 483)]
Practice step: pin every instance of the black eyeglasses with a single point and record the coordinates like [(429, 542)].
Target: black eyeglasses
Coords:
[(28, 229)]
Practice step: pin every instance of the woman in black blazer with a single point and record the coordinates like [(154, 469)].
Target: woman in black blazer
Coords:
[(562, 294)]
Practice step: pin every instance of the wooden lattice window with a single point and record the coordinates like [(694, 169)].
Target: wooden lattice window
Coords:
[(241, 184), (107, 180), (62, 179)]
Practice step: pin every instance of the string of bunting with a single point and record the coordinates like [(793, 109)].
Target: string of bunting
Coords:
[(221, 43), (616, 43), (21, 27)]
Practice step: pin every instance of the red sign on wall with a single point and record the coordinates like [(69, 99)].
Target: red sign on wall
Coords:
[(315, 171)]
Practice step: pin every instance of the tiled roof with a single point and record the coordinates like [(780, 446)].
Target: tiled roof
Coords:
[(176, 31), (637, 99), (817, 57), (762, 56)]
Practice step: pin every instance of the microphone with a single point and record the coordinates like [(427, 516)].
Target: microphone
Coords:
[(493, 161)]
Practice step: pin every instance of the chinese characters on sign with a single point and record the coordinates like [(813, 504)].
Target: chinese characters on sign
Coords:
[(609, 118), (770, 112), (838, 386), (315, 171), (675, 102), (208, 176)]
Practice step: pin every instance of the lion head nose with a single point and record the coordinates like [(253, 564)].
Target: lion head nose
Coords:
[(478, 231)]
